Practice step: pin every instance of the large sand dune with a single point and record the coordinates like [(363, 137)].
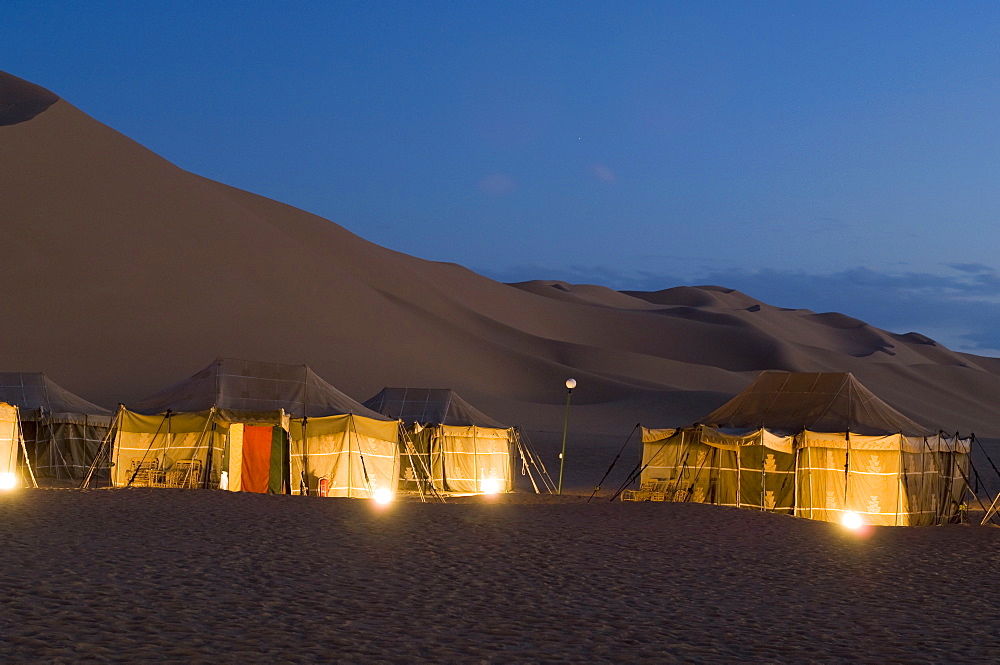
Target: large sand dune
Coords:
[(124, 273)]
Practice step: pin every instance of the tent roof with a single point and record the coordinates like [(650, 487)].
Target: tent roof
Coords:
[(438, 406), (243, 385), (33, 391), (790, 402)]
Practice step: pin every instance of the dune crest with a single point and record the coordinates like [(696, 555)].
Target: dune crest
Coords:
[(130, 273)]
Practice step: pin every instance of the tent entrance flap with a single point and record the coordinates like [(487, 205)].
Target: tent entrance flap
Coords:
[(256, 464)]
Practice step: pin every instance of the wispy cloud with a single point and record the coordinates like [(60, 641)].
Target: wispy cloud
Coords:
[(959, 305), (497, 184), (604, 173)]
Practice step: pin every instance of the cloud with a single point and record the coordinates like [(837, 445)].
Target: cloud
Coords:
[(959, 306), (497, 184), (604, 173)]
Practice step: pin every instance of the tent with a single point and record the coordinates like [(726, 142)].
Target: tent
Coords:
[(15, 471), (62, 431), (455, 447), (256, 427), (815, 445)]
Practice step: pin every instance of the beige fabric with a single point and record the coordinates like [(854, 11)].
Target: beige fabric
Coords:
[(235, 469), (888, 480), (357, 455), (464, 458), (651, 435), (9, 438), (790, 402), (164, 442), (821, 488)]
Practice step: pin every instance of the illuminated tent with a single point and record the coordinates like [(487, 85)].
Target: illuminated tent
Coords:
[(816, 445), (456, 447), (256, 427), (62, 431), (14, 471)]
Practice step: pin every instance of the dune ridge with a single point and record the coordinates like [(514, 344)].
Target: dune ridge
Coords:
[(130, 273)]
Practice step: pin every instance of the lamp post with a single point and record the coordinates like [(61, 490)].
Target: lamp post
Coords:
[(570, 384)]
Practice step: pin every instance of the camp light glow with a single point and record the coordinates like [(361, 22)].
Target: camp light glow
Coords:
[(8, 481), (382, 495), (852, 520), (490, 486)]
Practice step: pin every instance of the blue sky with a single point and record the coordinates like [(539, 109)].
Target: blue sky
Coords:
[(832, 156)]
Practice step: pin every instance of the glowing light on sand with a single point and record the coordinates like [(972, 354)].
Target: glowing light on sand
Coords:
[(8, 481), (490, 486), (382, 496), (852, 520)]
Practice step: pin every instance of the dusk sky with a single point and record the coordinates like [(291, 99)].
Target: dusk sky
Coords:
[(831, 156)]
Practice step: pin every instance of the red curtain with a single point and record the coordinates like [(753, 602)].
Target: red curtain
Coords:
[(256, 458)]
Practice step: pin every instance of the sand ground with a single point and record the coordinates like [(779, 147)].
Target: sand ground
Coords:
[(175, 576)]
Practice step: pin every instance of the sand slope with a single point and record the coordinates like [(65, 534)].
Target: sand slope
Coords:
[(126, 274)]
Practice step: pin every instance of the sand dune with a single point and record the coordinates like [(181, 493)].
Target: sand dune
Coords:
[(128, 274)]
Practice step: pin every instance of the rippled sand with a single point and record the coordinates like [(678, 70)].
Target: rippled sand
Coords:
[(129, 576)]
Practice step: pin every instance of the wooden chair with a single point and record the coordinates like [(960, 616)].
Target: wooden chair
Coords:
[(185, 473), (143, 473)]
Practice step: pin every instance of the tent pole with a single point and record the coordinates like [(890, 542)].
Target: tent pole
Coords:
[(763, 470), (640, 467), (24, 448), (475, 459), (937, 481), (795, 479), (900, 479), (535, 460), (425, 467), (526, 468), (697, 474), (408, 447), (983, 448), (922, 502), (197, 449), (952, 463), (152, 440), (847, 469), (364, 469), (739, 476), (967, 488), (105, 446), (613, 462)]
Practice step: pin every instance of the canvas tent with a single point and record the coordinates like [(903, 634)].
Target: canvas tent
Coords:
[(15, 470), (256, 427), (455, 447), (816, 445), (62, 431)]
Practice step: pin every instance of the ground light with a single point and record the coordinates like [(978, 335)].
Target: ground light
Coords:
[(490, 486), (8, 481), (852, 520), (382, 496)]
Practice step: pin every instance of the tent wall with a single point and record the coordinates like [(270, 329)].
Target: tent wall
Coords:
[(10, 439), (706, 466), (180, 450), (889, 480), (468, 459), (63, 446), (355, 456), (464, 458)]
